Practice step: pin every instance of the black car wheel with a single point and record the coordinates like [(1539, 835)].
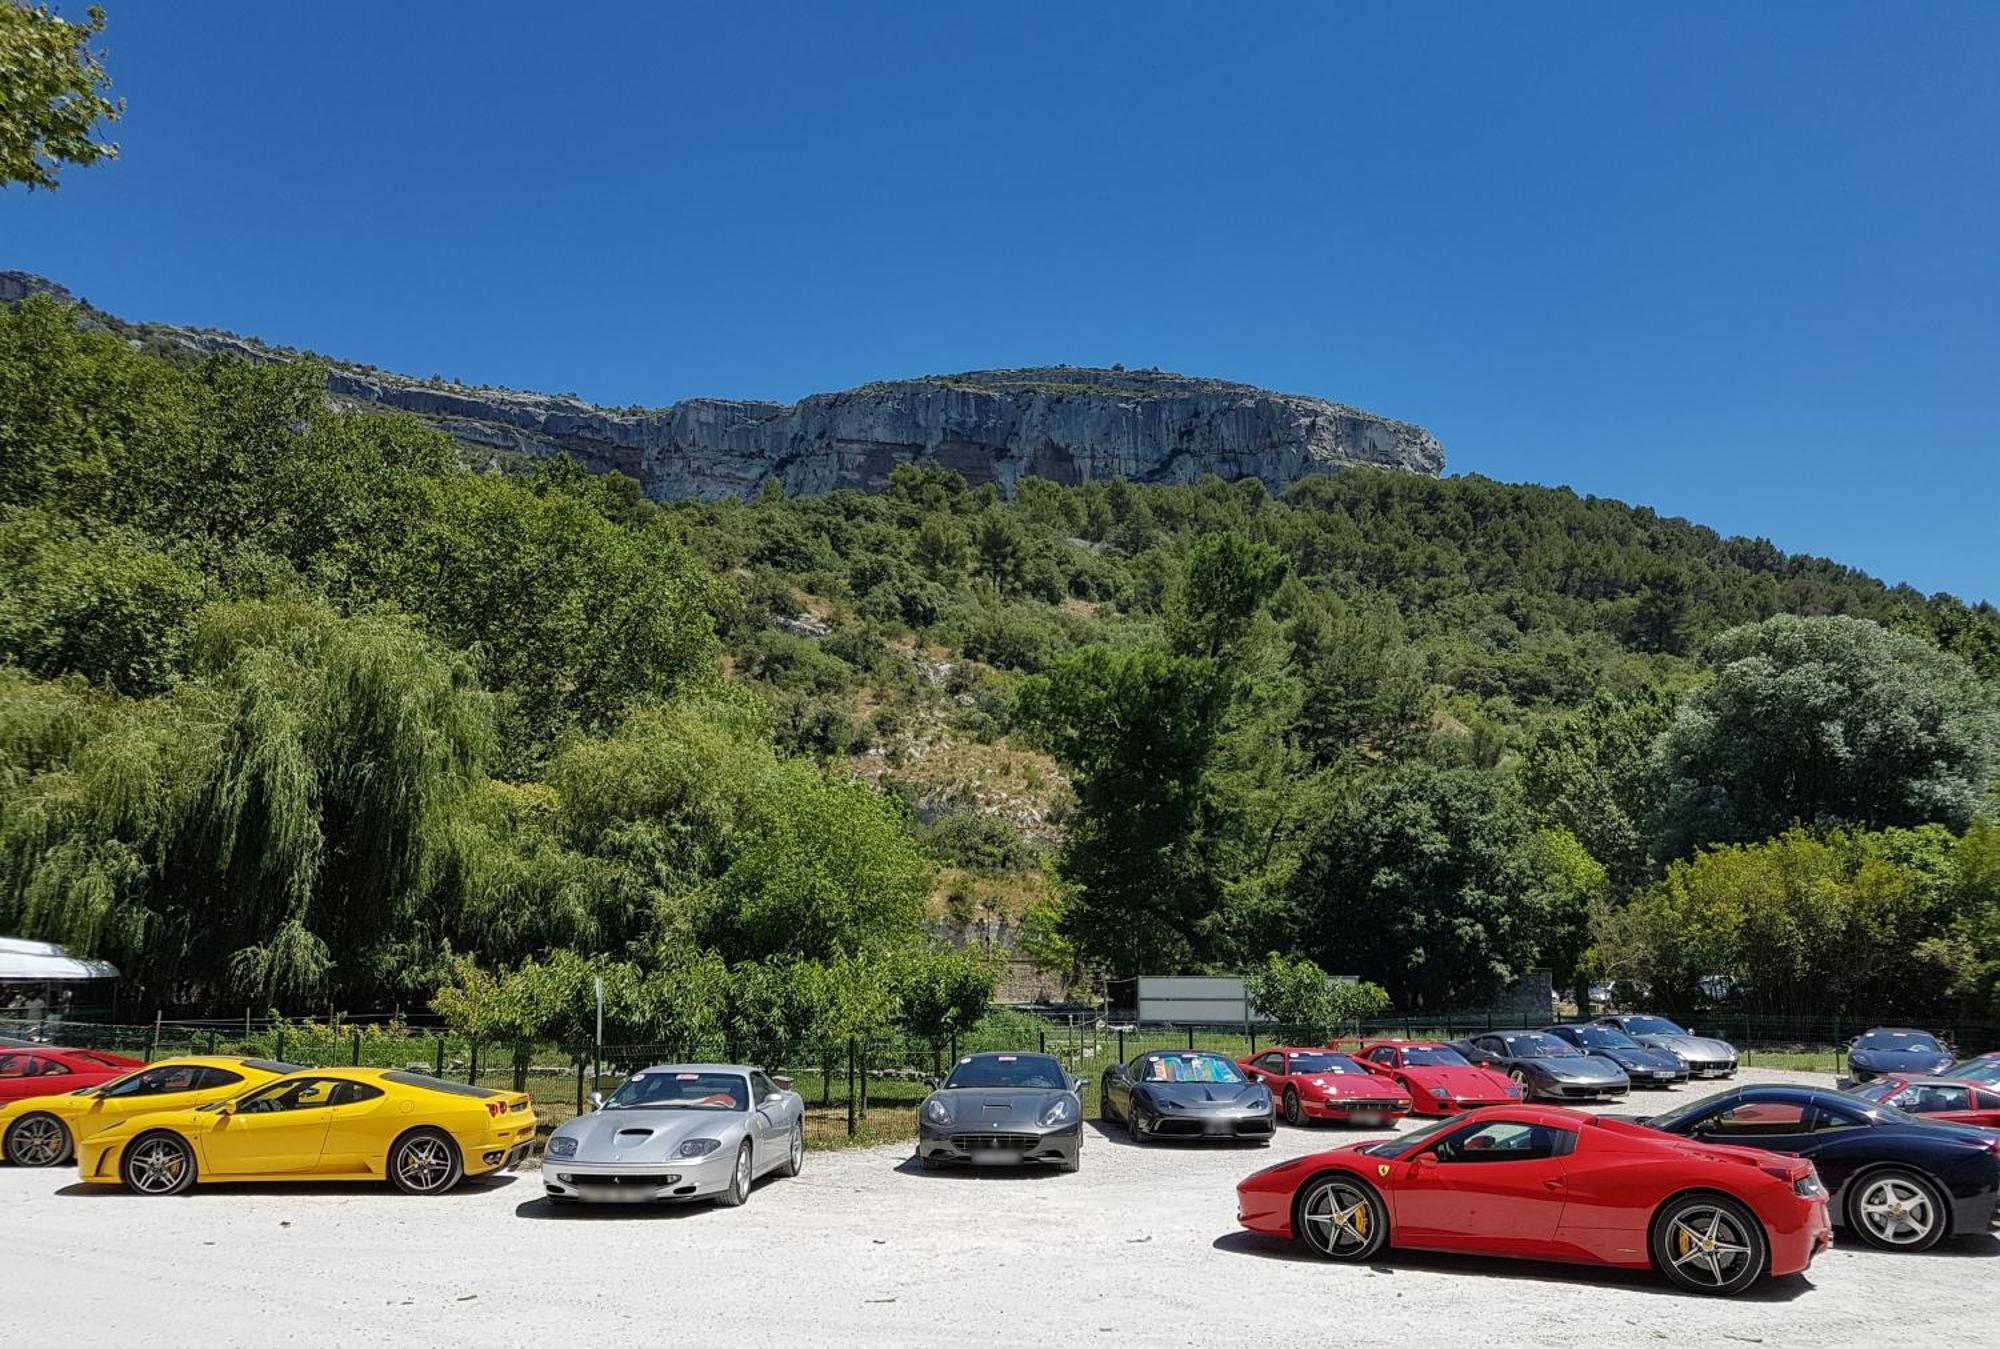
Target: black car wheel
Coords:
[(1104, 1110), (1133, 1133), (425, 1161), (1897, 1210), (1293, 1115), (157, 1163), (1707, 1243), (37, 1140), (1341, 1218)]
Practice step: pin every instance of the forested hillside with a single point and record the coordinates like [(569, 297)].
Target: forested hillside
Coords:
[(295, 708)]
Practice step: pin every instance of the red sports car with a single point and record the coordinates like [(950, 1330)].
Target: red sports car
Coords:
[(47, 1072), (1544, 1183), (1936, 1098), (1311, 1084), (1439, 1079)]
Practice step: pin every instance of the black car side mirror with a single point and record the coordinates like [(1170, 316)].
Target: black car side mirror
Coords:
[(932, 1084)]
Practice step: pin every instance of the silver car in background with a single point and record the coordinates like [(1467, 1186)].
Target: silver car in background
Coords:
[(678, 1132)]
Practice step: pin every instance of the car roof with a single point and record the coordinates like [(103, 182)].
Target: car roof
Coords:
[(1007, 1054), (1933, 1080), (1406, 1044), (1894, 1030), (1296, 1049), (697, 1068)]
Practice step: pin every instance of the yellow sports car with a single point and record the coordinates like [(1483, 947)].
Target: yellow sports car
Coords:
[(44, 1130), (422, 1133)]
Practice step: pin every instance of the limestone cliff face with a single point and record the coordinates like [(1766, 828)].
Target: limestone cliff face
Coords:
[(1066, 423)]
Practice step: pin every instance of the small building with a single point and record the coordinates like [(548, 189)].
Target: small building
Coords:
[(40, 982)]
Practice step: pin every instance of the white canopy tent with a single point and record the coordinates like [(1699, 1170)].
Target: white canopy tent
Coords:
[(41, 962)]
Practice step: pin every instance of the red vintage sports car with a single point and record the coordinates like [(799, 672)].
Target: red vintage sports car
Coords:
[(1544, 1183), (1439, 1079), (47, 1072), (1314, 1083), (1944, 1098)]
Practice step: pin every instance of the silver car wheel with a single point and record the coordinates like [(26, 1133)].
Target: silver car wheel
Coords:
[(158, 1166), (1337, 1220), (798, 1148), (36, 1141), (1898, 1211), (1707, 1245), (424, 1164)]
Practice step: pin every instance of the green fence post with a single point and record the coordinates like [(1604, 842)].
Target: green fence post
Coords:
[(440, 1057), (954, 1047), (1253, 1039), (579, 1084), (279, 1053), (472, 1070), (851, 1122), (1190, 1031), (1121, 1046), (1042, 1037), (357, 1049)]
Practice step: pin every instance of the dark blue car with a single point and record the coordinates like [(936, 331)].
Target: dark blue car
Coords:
[(1645, 1067), (1896, 1181), (1889, 1050)]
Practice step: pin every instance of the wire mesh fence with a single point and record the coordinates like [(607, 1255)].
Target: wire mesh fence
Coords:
[(865, 1089)]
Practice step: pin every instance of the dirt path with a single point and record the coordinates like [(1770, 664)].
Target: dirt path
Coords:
[(1141, 1246)]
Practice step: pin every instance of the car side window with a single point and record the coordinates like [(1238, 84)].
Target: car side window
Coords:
[(1986, 1100), (1271, 1063), (1502, 1141), (159, 1082), (208, 1079), (1826, 1119), (1933, 1099), (1384, 1056), (50, 1068), (310, 1093), (1756, 1118), (13, 1065), (354, 1093), (762, 1086)]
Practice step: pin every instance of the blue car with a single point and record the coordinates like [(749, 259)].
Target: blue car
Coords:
[(1645, 1067), (1896, 1181), (1889, 1050)]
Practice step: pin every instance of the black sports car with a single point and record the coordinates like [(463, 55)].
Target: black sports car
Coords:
[(1896, 1181), (1542, 1065), (1171, 1093), (1888, 1049), (1644, 1066)]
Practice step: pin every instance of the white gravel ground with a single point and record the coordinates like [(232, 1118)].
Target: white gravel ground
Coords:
[(1140, 1247)]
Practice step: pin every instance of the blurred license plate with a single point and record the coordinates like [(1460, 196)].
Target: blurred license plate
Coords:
[(1369, 1119), (994, 1156)]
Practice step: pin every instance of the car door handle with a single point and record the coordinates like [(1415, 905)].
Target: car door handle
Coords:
[(1552, 1184)]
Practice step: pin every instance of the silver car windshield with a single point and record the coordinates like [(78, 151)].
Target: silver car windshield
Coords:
[(681, 1091)]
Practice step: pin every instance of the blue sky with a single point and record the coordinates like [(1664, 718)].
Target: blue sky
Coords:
[(1736, 263)]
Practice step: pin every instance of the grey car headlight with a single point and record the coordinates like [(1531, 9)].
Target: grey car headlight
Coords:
[(559, 1146), (936, 1111), (1062, 1112), (698, 1147), (1440, 1093)]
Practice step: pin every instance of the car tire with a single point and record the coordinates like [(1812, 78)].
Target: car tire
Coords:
[(425, 1161), (1741, 1254), (1071, 1164), (1104, 1110), (39, 1139), (1341, 1217), (1896, 1209), (158, 1163), (739, 1180), (1133, 1133), (1293, 1115), (795, 1152)]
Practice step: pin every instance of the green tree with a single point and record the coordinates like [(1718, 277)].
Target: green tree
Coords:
[(1305, 1001), (55, 92), (1593, 774), (1823, 722), (1427, 881), (1223, 586)]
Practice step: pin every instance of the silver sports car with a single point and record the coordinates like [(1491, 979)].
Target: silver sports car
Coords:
[(678, 1132)]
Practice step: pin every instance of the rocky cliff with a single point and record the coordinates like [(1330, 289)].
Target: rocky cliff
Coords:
[(1065, 423)]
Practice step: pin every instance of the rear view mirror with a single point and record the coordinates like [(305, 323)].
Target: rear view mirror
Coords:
[(597, 1100), (932, 1084), (1081, 1083), (784, 1083)]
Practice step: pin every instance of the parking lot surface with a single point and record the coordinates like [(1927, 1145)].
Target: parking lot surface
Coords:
[(1141, 1248)]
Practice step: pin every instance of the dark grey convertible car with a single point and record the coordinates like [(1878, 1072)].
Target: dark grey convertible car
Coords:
[(1542, 1065), (1003, 1110), (1169, 1093)]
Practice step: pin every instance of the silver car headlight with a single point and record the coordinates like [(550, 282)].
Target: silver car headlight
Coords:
[(936, 1111), (698, 1147), (1062, 1112), (560, 1146)]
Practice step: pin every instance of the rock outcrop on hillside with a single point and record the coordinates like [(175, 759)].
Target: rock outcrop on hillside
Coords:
[(1066, 423)]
